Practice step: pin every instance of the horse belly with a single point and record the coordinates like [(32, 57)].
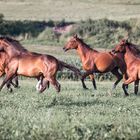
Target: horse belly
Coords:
[(30, 70), (105, 65)]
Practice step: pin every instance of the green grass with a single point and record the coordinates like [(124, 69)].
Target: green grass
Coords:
[(71, 10), (73, 114)]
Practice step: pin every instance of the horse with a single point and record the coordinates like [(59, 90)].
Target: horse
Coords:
[(3, 58), (131, 55), (94, 61), (31, 64)]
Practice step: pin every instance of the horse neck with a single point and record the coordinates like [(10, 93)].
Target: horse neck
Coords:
[(11, 51), (83, 51), (129, 56), (3, 58)]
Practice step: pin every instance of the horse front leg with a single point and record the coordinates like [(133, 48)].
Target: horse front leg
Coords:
[(15, 83), (84, 76), (9, 77), (8, 84), (93, 81), (127, 82), (83, 84)]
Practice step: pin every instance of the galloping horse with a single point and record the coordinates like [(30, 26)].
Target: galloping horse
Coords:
[(131, 54), (3, 63), (94, 61), (25, 63)]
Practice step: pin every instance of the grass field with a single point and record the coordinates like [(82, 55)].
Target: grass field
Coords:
[(73, 114), (71, 10)]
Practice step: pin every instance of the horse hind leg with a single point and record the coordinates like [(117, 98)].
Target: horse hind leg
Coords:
[(43, 85), (54, 82), (136, 85), (118, 75)]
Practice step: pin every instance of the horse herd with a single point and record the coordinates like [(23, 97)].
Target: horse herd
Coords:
[(16, 60)]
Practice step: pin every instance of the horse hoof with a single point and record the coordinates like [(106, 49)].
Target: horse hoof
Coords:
[(10, 90), (126, 95), (85, 88)]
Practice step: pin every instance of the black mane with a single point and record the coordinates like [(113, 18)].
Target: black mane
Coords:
[(16, 44), (82, 42), (135, 49)]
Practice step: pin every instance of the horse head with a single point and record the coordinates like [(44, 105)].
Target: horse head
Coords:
[(121, 47), (71, 44)]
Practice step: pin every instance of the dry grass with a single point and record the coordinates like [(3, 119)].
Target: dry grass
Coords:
[(72, 10)]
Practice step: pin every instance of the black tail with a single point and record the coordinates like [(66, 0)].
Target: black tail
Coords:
[(72, 68)]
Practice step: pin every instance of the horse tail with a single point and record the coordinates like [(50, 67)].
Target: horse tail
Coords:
[(70, 67)]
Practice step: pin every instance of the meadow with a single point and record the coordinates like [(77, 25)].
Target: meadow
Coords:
[(70, 10), (74, 113)]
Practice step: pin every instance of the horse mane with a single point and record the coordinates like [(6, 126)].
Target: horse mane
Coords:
[(86, 45), (16, 44), (135, 49)]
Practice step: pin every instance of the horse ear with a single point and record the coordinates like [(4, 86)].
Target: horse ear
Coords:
[(75, 36)]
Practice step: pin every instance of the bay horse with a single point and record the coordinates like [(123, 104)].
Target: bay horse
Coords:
[(94, 61), (131, 55), (30, 64), (3, 63)]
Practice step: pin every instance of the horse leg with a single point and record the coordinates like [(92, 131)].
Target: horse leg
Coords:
[(84, 76), (16, 84), (126, 82), (83, 84), (9, 77), (136, 85), (118, 75), (125, 77), (44, 85), (8, 84), (39, 85), (93, 81), (54, 82)]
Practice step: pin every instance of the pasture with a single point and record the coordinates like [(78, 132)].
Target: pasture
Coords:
[(73, 114)]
